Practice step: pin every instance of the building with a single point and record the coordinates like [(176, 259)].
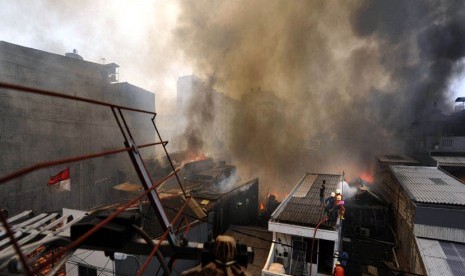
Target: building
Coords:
[(429, 207), (368, 239), (299, 228), (436, 131), (384, 161), (203, 113), (36, 128), (219, 191)]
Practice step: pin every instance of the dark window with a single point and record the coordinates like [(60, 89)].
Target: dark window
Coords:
[(86, 271), (301, 248)]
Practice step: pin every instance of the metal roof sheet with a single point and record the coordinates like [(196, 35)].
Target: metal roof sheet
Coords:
[(442, 258), (438, 232), (430, 185), (303, 206), (449, 160), (433, 257)]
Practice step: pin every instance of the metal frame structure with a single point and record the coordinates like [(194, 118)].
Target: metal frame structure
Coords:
[(192, 250)]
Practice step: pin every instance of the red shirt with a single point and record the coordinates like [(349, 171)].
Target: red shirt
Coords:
[(338, 271)]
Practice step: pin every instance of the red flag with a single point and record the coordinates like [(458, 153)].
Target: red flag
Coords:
[(62, 178)]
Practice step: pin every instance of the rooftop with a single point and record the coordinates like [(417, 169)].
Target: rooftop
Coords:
[(449, 158), (303, 206), (430, 185), (397, 158), (441, 257)]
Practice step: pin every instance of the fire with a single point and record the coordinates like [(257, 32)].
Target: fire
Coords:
[(195, 156), (367, 177), (262, 206)]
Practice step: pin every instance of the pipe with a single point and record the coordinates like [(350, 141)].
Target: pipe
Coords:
[(313, 243)]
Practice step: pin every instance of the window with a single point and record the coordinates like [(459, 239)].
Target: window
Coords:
[(86, 271)]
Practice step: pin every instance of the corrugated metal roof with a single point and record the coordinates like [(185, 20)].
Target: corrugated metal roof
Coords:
[(449, 160), (438, 232), (430, 185), (303, 206), (434, 258), (442, 258)]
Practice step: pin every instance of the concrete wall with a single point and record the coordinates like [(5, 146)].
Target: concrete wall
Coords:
[(35, 128)]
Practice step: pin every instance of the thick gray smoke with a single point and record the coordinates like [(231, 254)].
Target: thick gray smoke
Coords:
[(345, 80)]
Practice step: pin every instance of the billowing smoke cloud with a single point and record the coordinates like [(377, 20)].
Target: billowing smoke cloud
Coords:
[(340, 82)]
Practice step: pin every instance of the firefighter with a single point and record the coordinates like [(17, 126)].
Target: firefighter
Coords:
[(329, 203), (338, 269), (339, 206), (322, 192)]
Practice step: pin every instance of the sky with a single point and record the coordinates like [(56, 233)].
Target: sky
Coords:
[(353, 74)]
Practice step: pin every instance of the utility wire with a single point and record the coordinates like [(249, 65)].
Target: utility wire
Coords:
[(104, 267)]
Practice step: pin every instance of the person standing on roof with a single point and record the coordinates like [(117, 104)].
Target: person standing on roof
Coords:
[(338, 269), (339, 206), (329, 202), (338, 192), (322, 192)]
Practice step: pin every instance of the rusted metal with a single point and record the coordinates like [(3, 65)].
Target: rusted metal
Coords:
[(144, 176), (119, 123), (159, 255), (165, 234), (131, 148), (33, 90), (43, 165), (15, 243), (150, 256), (168, 156)]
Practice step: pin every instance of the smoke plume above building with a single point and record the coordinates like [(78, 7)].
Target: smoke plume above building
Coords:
[(348, 78)]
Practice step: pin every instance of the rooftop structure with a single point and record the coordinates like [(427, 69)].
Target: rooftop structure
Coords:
[(428, 205), (430, 185), (442, 257), (300, 227)]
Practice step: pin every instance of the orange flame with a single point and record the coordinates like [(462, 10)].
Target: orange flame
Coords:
[(195, 156), (262, 206), (367, 177)]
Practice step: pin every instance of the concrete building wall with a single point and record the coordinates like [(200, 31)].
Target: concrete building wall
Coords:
[(35, 128)]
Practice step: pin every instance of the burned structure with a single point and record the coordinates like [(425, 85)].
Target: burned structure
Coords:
[(224, 197)]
